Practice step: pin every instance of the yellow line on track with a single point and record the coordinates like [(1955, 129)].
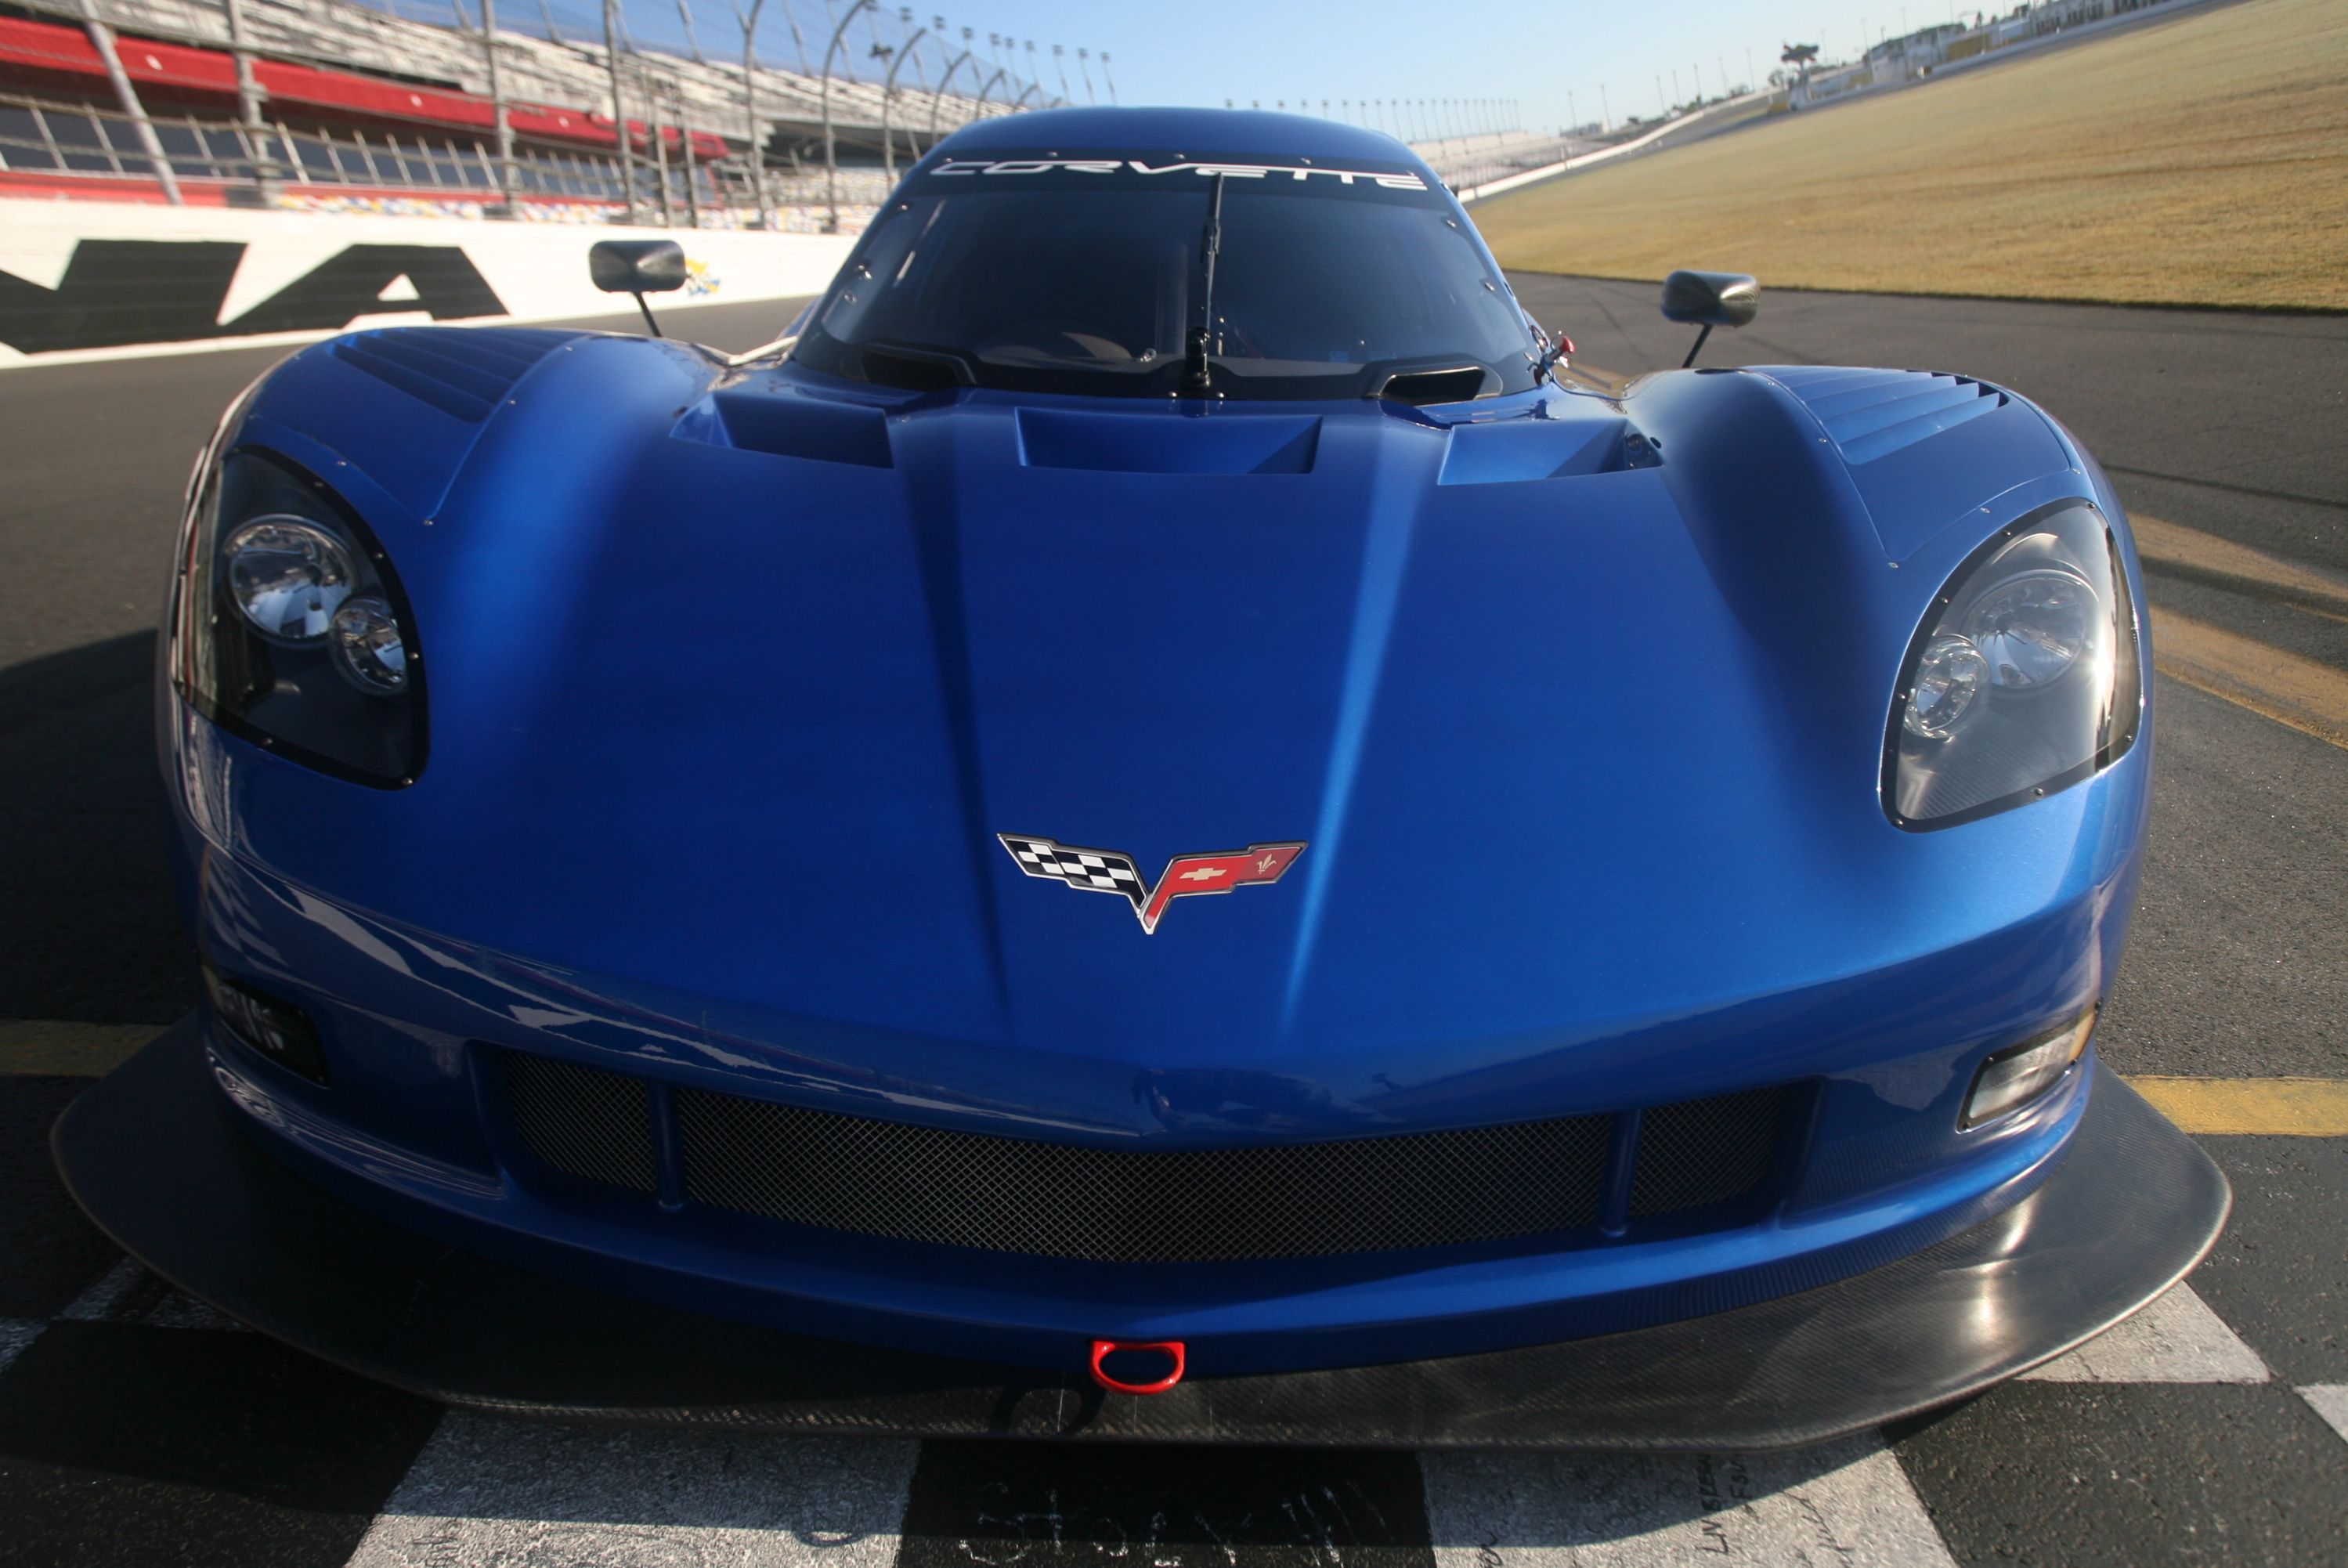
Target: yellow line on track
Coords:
[(2289, 1106), (68, 1051), (2165, 543), (2309, 697)]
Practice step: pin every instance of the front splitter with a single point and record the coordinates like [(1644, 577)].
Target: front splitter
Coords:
[(153, 1155)]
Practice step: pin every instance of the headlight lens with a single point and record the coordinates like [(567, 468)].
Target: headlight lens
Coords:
[(2022, 681), (370, 649), (287, 576), (2035, 628), (291, 628)]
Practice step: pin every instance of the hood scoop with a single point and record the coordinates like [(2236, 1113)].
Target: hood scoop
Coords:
[(1871, 414), (1555, 448), (1168, 441), (763, 416)]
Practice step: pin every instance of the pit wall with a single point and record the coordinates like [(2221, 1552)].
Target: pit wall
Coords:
[(82, 281)]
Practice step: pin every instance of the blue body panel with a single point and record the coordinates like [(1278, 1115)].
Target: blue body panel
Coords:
[(737, 674)]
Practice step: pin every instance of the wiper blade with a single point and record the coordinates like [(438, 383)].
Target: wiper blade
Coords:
[(1197, 367)]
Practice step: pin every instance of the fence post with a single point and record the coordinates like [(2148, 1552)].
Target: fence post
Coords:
[(618, 108), (659, 135), (938, 99), (887, 96), (101, 37), (505, 170), (755, 142), (684, 142), (248, 104), (831, 144)]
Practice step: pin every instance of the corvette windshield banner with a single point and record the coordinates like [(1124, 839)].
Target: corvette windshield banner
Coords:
[(1165, 169)]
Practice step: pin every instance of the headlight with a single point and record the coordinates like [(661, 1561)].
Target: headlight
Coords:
[(2022, 679), (287, 576), (292, 629)]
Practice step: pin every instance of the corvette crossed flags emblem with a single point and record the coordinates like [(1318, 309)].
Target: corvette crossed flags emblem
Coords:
[(1186, 876)]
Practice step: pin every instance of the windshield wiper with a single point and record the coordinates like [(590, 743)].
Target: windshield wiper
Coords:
[(1198, 370)]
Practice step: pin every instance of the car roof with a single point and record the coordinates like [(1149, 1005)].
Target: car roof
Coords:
[(1214, 131)]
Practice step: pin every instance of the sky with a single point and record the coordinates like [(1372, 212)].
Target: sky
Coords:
[(1553, 58), (1561, 62)]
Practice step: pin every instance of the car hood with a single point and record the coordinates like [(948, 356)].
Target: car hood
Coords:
[(734, 687)]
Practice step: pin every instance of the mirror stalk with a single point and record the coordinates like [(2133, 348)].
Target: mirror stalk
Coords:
[(1693, 350)]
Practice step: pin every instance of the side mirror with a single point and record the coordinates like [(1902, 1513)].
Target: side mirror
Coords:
[(637, 267), (1712, 299), (643, 266)]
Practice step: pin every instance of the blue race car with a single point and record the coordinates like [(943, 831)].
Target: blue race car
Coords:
[(683, 849)]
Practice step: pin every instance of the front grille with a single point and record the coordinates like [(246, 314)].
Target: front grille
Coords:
[(582, 1120), (1015, 1195), (1115, 1205), (1700, 1153)]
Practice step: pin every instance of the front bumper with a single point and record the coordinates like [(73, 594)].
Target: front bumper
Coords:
[(151, 1153)]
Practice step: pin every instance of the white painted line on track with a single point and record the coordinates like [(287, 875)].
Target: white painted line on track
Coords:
[(490, 1490), (2330, 1402), (1845, 1502), (15, 1334), (108, 1297), (2177, 1339), (129, 1293)]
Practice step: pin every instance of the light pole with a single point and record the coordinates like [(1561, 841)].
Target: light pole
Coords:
[(1083, 71), (1060, 64), (830, 143), (1106, 81)]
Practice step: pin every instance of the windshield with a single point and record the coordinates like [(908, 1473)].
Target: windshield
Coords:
[(1060, 273)]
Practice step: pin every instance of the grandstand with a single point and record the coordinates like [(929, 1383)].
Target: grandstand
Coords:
[(359, 105)]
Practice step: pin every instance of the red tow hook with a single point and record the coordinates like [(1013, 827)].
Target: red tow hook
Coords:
[(1169, 1349)]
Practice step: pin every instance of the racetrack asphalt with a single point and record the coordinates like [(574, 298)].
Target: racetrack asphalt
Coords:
[(128, 1435)]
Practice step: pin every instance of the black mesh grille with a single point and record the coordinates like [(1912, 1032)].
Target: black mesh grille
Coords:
[(1296, 1199), (582, 1120), (1703, 1151), (1123, 1205)]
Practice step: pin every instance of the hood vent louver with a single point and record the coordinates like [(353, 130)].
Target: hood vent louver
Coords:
[(464, 372), (1871, 414)]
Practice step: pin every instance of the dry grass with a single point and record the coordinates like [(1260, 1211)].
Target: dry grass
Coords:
[(2199, 162)]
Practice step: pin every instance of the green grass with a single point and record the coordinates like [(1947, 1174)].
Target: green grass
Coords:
[(2197, 161)]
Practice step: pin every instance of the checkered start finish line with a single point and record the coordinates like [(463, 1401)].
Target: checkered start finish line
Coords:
[(1186, 876)]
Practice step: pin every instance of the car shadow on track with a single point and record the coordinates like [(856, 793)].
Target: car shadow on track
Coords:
[(94, 933)]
